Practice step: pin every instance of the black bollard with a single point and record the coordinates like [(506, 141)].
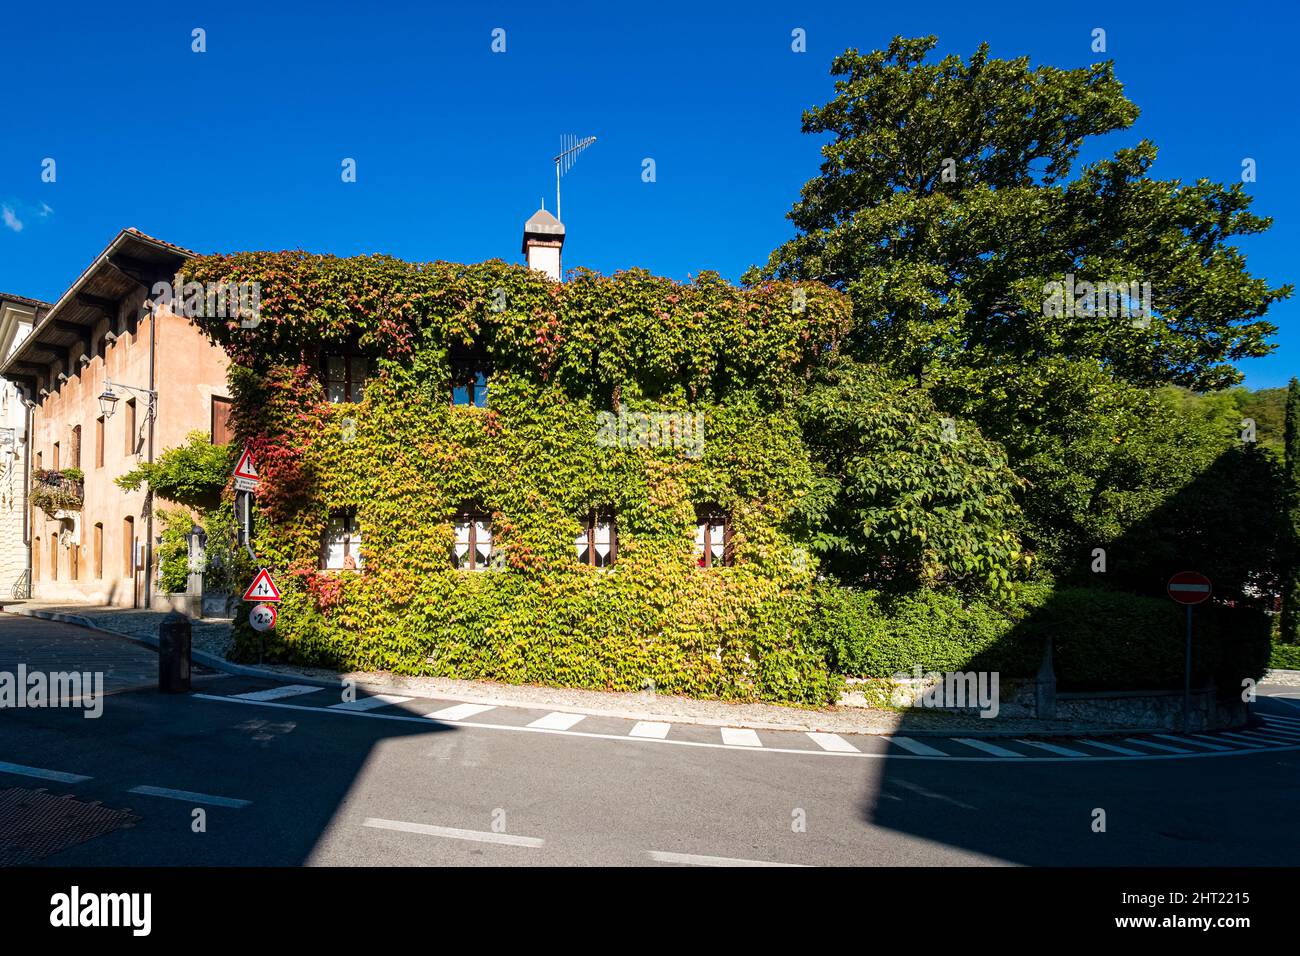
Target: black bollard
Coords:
[(174, 654)]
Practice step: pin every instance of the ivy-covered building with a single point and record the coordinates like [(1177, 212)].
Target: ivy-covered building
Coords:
[(479, 471)]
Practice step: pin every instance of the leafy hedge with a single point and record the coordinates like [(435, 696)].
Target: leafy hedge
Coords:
[(407, 461), (1102, 640)]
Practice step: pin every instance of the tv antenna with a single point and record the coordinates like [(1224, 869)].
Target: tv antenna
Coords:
[(570, 147)]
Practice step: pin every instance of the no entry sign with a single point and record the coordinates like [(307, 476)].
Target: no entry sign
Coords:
[(1189, 587)]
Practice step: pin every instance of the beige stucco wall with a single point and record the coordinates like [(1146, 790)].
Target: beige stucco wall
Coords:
[(189, 371)]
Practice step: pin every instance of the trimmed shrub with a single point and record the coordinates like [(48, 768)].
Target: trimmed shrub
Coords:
[(1102, 640)]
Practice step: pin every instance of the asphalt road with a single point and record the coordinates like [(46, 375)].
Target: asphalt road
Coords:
[(284, 781)]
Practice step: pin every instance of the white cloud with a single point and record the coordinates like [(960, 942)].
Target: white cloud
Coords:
[(10, 220)]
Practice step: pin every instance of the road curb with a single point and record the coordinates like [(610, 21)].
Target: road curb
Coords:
[(397, 686)]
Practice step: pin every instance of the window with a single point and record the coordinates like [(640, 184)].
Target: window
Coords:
[(129, 419), (76, 446), (340, 548), (99, 551), (473, 548), (221, 434), (469, 387), (54, 458), (54, 557), (345, 377), (74, 562), (712, 536), (99, 442), (128, 547), (597, 543)]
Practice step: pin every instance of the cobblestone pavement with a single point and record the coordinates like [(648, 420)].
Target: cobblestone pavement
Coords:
[(50, 646), (210, 635)]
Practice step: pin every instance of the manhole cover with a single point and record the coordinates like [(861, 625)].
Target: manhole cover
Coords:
[(35, 824)]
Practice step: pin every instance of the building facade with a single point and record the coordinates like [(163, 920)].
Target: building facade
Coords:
[(89, 539), (17, 315)]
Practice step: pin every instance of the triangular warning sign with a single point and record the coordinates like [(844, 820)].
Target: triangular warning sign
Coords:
[(245, 468), (262, 588)]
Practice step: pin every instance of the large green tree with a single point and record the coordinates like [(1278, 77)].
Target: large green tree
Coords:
[(948, 201), (951, 207)]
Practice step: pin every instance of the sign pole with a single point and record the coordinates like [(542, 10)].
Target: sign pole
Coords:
[(1187, 676)]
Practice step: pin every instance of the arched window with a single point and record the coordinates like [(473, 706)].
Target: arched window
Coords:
[(36, 559), (712, 536), (597, 543)]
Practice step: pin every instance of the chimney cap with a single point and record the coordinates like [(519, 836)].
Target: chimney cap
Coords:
[(542, 227)]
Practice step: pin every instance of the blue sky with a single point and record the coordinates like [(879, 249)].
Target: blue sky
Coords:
[(240, 147)]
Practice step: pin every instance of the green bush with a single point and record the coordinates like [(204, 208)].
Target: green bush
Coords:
[(1285, 657), (1102, 640)]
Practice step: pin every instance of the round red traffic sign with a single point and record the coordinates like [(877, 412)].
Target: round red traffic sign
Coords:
[(262, 617), (1189, 587)]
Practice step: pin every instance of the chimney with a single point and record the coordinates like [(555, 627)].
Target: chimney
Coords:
[(543, 239)]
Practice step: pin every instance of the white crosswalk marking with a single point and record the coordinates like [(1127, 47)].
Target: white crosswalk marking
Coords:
[(1281, 729), (1246, 740), (696, 859), (1113, 748), (1051, 748), (740, 737), (557, 721), (276, 693), (654, 729), (1197, 740), (1270, 738), (460, 711), (1151, 743), (832, 742), (989, 748), (1285, 718), (370, 703), (916, 747)]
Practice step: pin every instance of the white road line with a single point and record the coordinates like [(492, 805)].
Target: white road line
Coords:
[(832, 742), (679, 742), (1195, 740), (989, 748), (1113, 747), (558, 720), (460, 711), (1282, 718), (370, 703), (655, 729), (453, 833), (916, 747), (1151, 743), (695, 859), (189, 796), (1052, 748), (56, 775), (275, 693), (740, 737)]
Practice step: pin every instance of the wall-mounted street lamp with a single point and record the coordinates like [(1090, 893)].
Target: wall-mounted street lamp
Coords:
[(108, 399)]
